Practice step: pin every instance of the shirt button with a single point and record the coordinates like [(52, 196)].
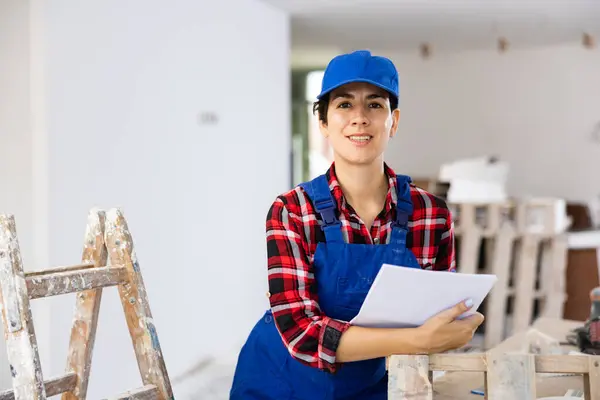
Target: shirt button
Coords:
[(376, 240), (268, 294)]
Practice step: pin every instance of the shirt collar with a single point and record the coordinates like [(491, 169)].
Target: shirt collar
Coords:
[(391, 198)]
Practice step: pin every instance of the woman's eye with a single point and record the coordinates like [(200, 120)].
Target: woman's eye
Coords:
[(344, 105), (375, 105)]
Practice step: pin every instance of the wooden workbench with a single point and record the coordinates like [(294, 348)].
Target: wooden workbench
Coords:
[(458, 385)]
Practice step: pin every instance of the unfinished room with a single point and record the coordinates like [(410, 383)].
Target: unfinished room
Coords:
[(300, 199)]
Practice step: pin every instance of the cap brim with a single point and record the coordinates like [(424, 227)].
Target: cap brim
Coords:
[(323, 93)]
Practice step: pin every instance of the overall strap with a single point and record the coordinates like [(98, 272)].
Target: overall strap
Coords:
[(324, 203), (404, 209)]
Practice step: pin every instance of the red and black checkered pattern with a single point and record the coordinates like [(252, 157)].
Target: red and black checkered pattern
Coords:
[(292, 236)]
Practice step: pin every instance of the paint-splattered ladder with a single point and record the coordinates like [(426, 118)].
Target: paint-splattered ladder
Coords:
[(107, 238)]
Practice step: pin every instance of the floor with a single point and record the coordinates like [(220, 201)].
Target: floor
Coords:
[(213, 380)]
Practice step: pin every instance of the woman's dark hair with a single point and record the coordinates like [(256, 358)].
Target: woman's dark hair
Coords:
[(321, 106)]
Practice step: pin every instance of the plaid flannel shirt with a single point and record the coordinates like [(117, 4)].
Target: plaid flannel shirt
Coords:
[(292, 233)]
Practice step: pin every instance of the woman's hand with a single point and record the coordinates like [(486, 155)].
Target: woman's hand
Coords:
[(440, 333), (444, 332)]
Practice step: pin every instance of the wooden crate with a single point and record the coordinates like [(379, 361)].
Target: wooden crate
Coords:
[(507, 375), (524, 244)]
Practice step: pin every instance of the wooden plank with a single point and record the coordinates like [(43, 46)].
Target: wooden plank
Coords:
[(58, 269), (470, 362), (53, 386), (148, 392), (477, 362), (553, 277), (494, 222), (511, 376), (19, 333), (538, 294), (87, 306), (470, 240), (409, 378), (59, 283), (521, 210), (546, 279), (561, 364), (61, 384), (591, 380), (136, 306), (495, 320), (525, 275)]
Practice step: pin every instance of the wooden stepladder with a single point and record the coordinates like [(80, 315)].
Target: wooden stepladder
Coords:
[(107, 238)]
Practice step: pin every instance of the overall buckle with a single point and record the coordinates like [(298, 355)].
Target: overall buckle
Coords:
[(401, 219), (327, 210)]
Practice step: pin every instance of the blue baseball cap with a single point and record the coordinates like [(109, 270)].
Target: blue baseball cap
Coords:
[(360, 66)]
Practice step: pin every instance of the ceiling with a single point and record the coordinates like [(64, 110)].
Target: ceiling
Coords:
[(388, 25)]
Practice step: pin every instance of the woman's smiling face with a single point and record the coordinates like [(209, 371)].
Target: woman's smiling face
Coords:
[(360, 123)]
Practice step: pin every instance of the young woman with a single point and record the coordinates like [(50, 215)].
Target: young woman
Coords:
[(326, 241)]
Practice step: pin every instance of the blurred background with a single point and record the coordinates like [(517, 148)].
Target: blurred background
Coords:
[(192, 116)]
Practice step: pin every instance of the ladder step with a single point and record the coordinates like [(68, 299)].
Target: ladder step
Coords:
[(58, 385), (59, 269), (74, 279), (148, 392)]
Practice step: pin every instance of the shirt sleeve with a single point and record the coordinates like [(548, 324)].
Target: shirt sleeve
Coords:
[(310, 336), (445, 259)]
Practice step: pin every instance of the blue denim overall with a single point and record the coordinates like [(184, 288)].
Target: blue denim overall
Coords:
[(344, 273)]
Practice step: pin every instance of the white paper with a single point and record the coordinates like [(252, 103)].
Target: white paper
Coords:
[(403, 297)]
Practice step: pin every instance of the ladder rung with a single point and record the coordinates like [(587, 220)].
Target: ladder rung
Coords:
[(59, 269), (74, 280), (53, 386), (148, 392)]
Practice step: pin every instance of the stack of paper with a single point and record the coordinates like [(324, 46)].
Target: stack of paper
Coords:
[(403, 297)]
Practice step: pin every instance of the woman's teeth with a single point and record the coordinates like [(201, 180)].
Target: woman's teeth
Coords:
[(360, 138)]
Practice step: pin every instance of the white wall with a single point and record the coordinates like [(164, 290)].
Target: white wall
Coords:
[(19, 168), (122, 85), (15, 137), (15, 134), (535, 108)]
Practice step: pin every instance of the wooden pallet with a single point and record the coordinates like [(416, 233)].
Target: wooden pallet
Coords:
[(107, 238), (526, 251), (507, 376)]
